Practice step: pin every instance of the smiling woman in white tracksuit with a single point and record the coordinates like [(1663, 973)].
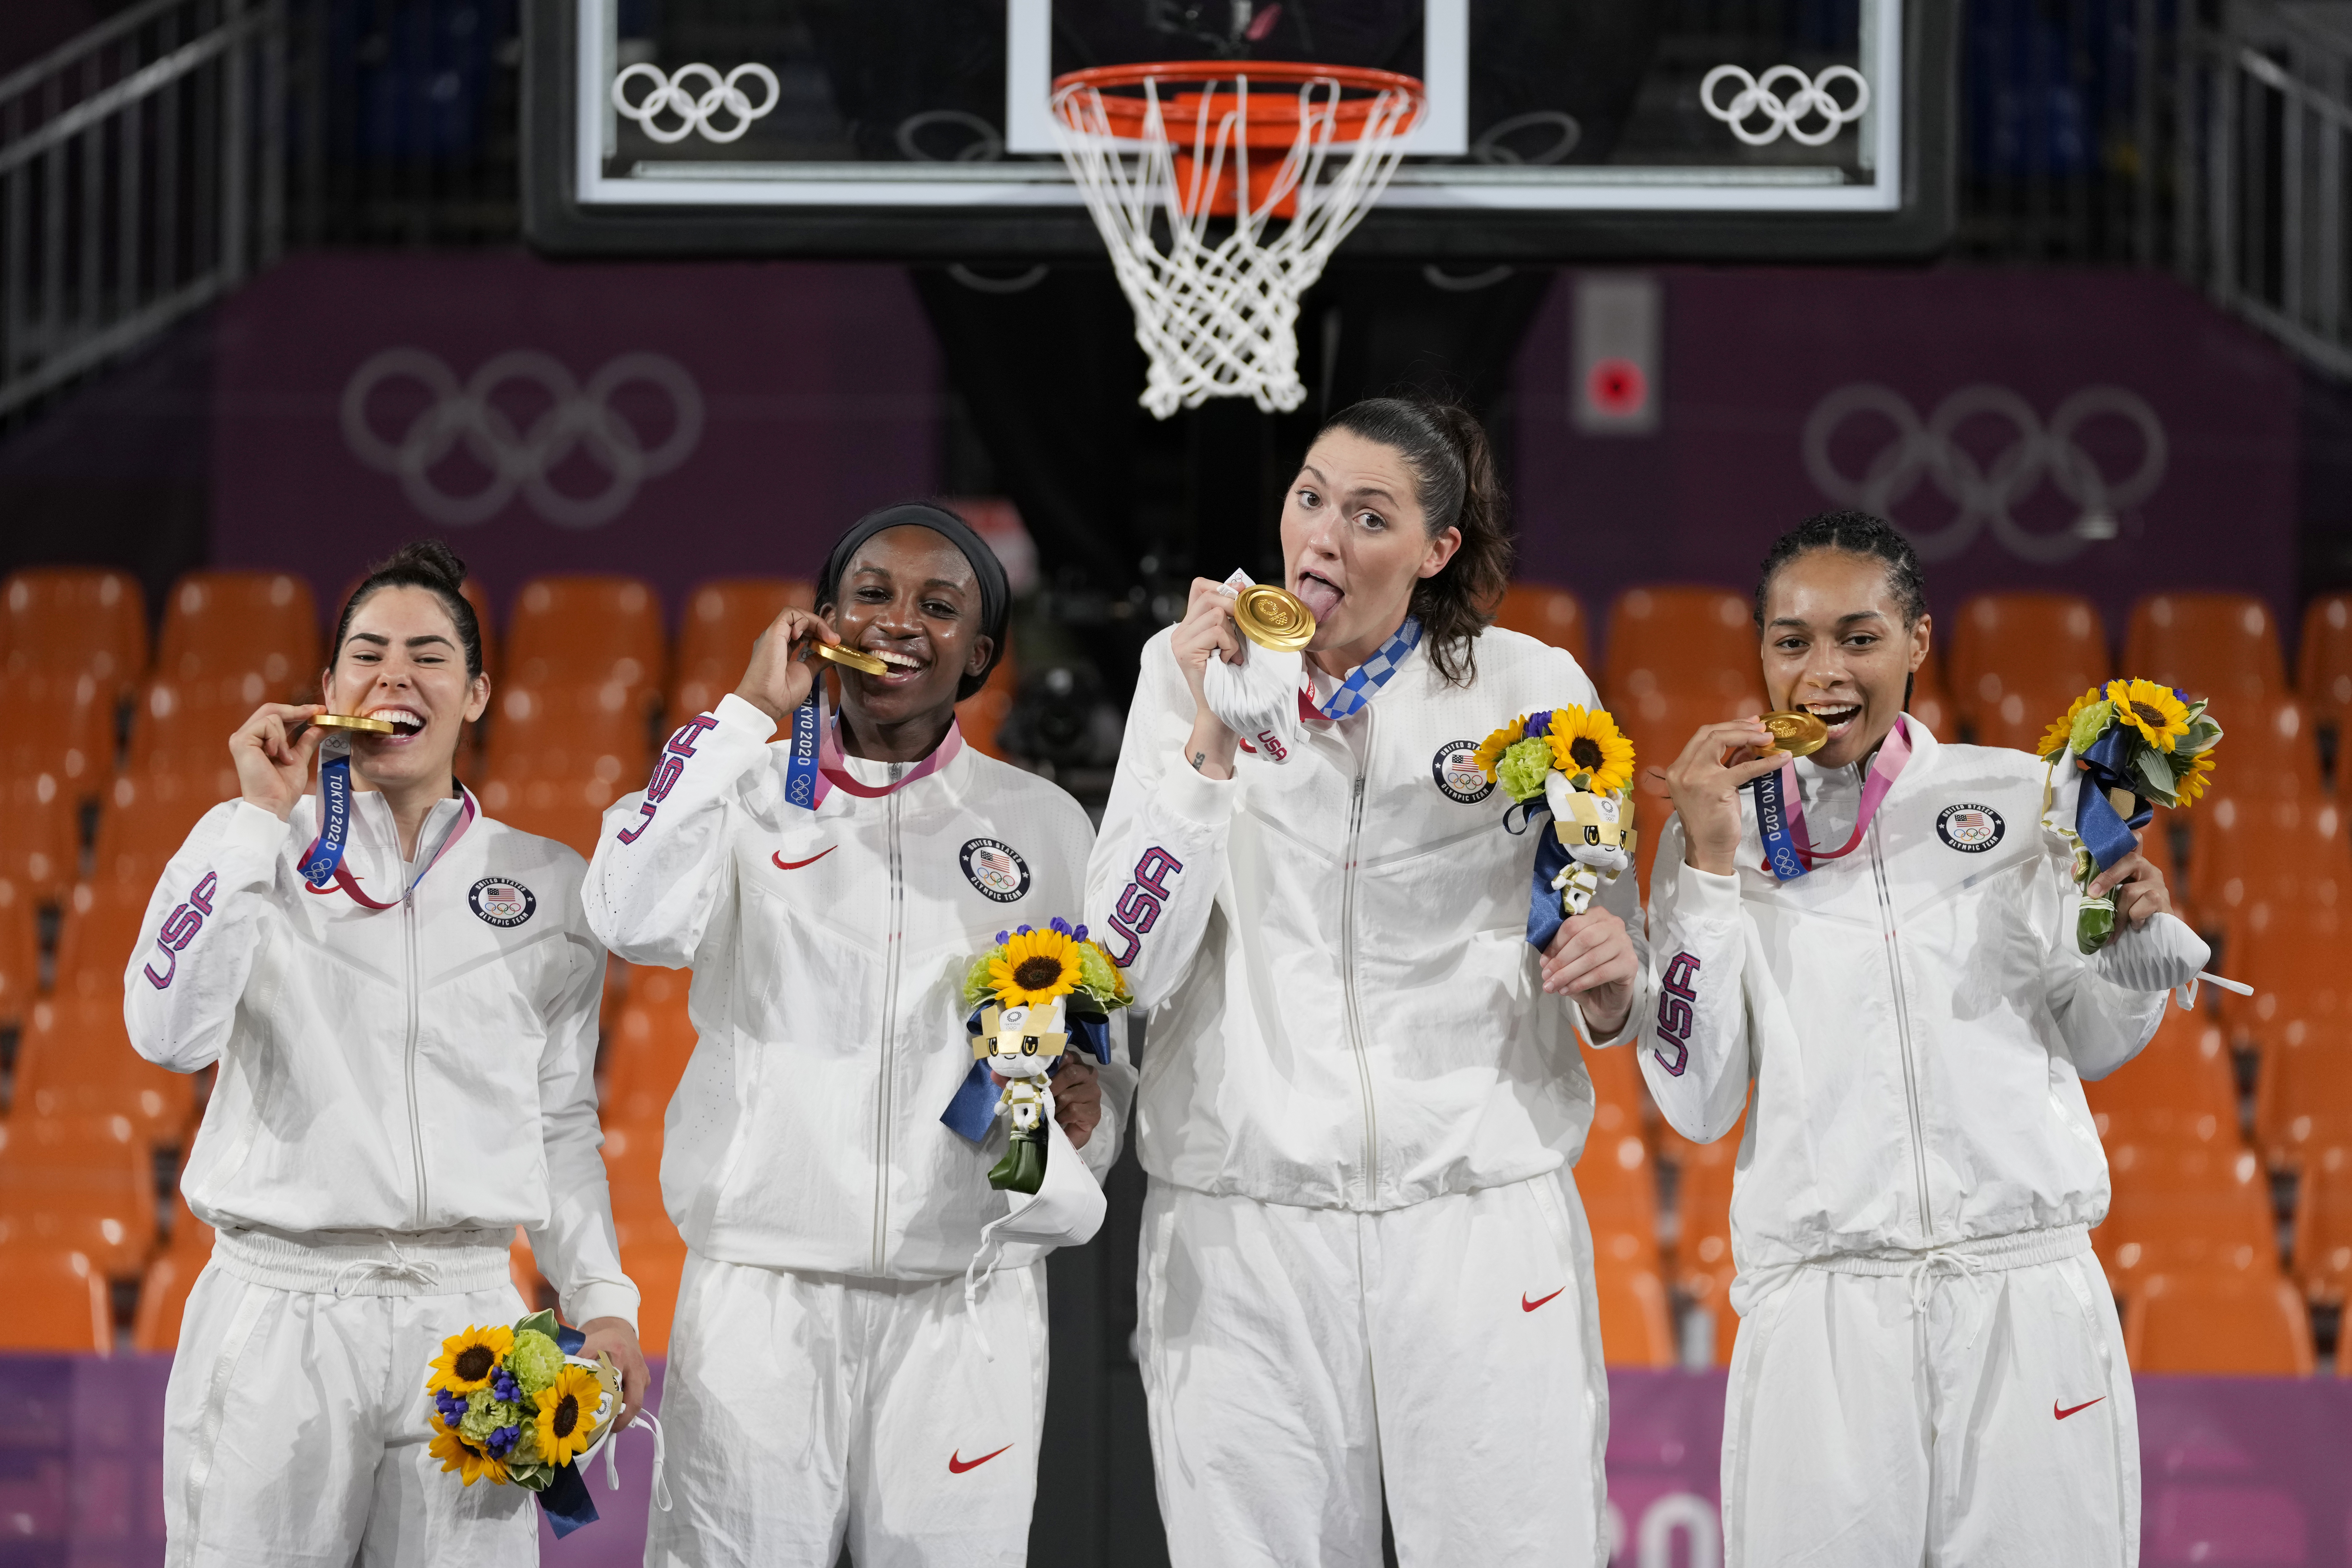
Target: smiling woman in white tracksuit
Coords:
[(1365, 1269), (1929, 1366), (826, 1380), (407, 1045)]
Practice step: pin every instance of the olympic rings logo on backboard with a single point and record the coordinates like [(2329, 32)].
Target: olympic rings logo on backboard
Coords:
[(1810, 100), (576, 419), (668, 96)]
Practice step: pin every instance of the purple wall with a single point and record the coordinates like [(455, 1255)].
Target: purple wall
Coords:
[(677, 421), (1750, 357), (2236, 1471)]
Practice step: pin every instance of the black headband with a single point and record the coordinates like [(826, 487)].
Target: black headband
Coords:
[(995, 591)]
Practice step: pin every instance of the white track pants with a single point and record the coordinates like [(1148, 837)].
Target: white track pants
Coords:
[(804, 1409), (1296, 1359), (1974, 1409), (295, 1422)]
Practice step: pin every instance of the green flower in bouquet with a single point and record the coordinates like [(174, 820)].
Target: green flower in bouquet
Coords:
[(535, 1361), (1524, 766)]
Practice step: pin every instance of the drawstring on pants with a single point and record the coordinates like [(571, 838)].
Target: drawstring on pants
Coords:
[(402, 1268)]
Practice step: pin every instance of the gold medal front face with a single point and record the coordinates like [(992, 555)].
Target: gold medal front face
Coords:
[(855, 658), (1273, 618), (1798, 733), (358, 722)]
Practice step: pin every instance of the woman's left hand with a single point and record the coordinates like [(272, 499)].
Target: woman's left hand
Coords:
[(1592, 959), (614, 1337), (1077, 1099)]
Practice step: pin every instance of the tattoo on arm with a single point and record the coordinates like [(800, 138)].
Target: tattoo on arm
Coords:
[(1199, 758)]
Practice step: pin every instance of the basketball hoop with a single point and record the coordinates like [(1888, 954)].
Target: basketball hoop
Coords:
[(1292, 164)]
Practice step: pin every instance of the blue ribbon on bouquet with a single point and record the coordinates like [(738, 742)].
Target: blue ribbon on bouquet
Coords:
[(2107, 834), (1544, 919), (565, 1498), (972, 1111)]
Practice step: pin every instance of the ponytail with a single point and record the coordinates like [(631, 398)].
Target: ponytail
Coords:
[(428, 565), (1452, 467)]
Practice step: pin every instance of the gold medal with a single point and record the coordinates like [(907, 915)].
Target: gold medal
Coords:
[(1796, 732), (855, 658), (1273, 618), (356, 721)]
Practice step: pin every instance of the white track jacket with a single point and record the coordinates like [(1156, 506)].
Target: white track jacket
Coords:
[(829, 949), (1349, 1014), (427, 1067), (1915, 1017)]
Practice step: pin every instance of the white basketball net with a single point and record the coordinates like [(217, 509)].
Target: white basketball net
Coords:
[(1220, 320)]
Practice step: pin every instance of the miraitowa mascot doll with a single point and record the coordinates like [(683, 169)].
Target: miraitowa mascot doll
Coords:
[(1580, 767)]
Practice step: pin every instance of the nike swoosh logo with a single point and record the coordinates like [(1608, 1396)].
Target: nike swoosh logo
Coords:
[(2062, 1415), (785, 865), (1527, 1306), (958, 1464)]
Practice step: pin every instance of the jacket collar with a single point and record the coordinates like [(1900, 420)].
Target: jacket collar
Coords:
[(1833, 783)]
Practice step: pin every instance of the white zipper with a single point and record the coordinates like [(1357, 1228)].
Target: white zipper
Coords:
[(1348, 982), (882, 1101), (415, 1124), (1902, 1032)]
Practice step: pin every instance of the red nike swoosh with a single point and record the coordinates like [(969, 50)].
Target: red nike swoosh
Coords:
[(2062, 1415), (1527, 1306), (785, 865), (958, 1464)]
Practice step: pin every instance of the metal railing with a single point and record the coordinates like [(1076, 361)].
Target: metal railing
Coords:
[(140, 177)]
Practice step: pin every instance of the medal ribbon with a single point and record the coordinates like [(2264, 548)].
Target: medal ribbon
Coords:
[(1364, 681), (817, 766), (322, 863), (1788, 851)]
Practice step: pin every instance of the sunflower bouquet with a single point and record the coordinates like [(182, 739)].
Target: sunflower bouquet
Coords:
[(2140, 743), (510, 1407), (1577, 766), (1026, 996)]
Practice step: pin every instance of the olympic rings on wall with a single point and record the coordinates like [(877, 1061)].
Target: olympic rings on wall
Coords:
[(1984, 492), (669, 95), (576, 420), (1809, 100)]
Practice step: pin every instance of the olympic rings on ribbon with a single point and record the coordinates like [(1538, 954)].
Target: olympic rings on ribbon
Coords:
[(1811, 100), (575, 419), (669, 95), (1984, 492)]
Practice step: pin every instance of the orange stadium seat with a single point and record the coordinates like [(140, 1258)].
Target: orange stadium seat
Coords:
[(2230, 1325), (714, 643), (2301, 978), (41, 851), (1548, 613), (84, 1183), (147, 816), (2180, 1089), (2323, 669), (982, 714), (651, 1042), (75, 1060), (61, 724), (2186, 1208), (184, 726), (2323, 1226), (1930, 703), (20, 953), (2303, 1103), (654, 1257), (573, 732), (1621, 1102), (1636, 1329), (100, 928), (73, 620), (1682, 641), (163, 1289), (2270, 748), (585, 630), (2019, 659), (221, 624), (2222, 646), (523, 1267), (1618, 1182), (1659, 725), (2157, 842), (1704, 1266), (2256, 864), (57, 1301)]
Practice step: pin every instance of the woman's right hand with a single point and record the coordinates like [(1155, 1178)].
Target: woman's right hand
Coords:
[(1707, 788), (1207, 632), (273, 768), (780, 678)]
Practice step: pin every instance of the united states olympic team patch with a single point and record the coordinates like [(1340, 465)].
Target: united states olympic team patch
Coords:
[(501, 901), (1971, 829), (997, 868), (1455, 769)]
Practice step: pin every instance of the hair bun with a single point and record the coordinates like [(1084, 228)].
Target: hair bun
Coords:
[(427, 558)]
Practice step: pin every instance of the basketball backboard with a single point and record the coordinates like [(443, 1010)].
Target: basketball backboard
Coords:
[(1555, 128)]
